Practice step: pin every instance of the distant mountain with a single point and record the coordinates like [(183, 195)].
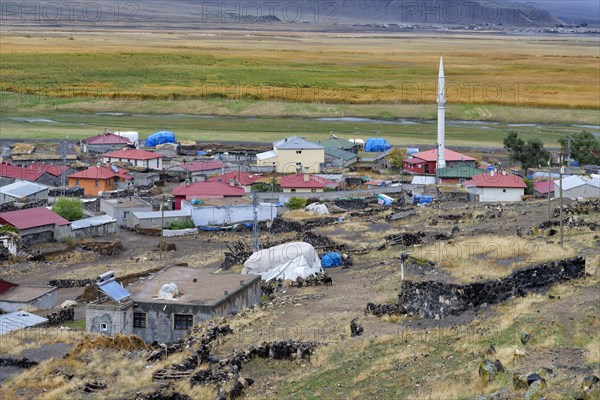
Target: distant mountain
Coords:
[(189, 14), (574, 11)]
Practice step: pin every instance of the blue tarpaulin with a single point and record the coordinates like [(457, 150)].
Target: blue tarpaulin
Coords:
[(201, 153), (161, 137), (377, 145), (331, 260), (422, 199)]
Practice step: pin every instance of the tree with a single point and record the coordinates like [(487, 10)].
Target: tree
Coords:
[(295, 203), (529, 183), (585, 148), (70, 209), (529, 154), (396, 157)]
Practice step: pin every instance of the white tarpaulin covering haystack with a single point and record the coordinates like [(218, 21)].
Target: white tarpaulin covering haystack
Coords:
[(286, 261), (168, 291), (317, 208)]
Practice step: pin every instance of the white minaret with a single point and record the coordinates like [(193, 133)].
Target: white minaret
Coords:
[(441, 102)]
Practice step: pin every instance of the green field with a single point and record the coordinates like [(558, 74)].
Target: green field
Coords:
[(260, 86)]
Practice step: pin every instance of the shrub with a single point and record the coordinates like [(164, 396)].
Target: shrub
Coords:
[(8, 228), (70, 209), (180, 224), (295, 203), (529, 183)]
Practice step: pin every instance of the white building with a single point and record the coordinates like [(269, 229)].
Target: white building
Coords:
[(138, 158), (575, 186), (23, 191), (220, 212), (496, 187)]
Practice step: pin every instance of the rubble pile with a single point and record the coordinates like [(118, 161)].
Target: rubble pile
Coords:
[(64, 315), (313, 280), (379, 310), (16, 206), (580, 207), (320, 242), (237, 254), (102, 248), (403, 239), (353, 204), (70, 283), (401, 214), (571, 223), (17, 362)]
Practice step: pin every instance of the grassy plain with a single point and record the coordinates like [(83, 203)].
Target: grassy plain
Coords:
[(281, 84)]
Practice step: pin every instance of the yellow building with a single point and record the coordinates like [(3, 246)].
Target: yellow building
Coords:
[(292, 155)]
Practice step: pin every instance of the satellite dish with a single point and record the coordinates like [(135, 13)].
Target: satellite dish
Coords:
[(115, 169)]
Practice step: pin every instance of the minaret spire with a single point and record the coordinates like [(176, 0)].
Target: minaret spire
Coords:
[(441, 102)]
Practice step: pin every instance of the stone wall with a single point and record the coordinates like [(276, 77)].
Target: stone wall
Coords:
[(109, 318), (434, 299)]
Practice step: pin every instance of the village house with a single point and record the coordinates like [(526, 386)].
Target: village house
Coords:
[(541, 188), (197, 171), (305, 183), (496, 187), (99, 226), (154, 219), (35, 225), (102, 143), (135, 157), (293, 154), (340, 144), (459, 173), (339, 158), (228, 211), (206, 190), (576, 186), (14, 297), (122, 207), (100, 179), (166, 315), (44, 174), (23, 191), (424, 163), (240, 178)]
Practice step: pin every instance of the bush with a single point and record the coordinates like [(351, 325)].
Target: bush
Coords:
[(8, 228), (265, 187), (68, 208), (296, 203), (529, 183), (180, 224)]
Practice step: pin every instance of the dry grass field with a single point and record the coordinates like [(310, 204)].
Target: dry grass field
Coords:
[(304, 67)]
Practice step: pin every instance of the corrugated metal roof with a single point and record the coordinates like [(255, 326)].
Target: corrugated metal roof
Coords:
[(93, 221), (338, 153), (266, 155), (158, 214), (136, 154), (32, 217), (22, 189), (574, 181), (19, 320), (296, 143)]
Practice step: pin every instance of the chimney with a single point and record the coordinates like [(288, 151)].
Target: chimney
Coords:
[(241, 283), (232, 182), (492, 173), (306, 177)]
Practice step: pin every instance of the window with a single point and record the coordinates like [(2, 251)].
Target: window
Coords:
[(103, 327), (139, 320), (313, 190), (183, 321), (298, 151), (97, 183), (77, 182), (503, 190), (292, 190), (299, 164)]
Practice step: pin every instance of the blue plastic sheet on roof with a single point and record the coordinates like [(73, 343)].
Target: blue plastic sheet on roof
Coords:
[(201, 153), (161, 137), (377, 145), (422, 199), (331, 260)]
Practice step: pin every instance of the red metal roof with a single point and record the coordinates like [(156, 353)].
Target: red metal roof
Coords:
[(544, 187), (299, 181), (31, 218), (136, 154), (243, 178), (449, 155), (209, 189), (109, 138), (30, 173), (414, 161), (203, 165), (101, 173), (6, 286), (499, 180), (41, 169)]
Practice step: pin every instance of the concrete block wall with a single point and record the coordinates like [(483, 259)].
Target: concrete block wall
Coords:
[(117, 317)]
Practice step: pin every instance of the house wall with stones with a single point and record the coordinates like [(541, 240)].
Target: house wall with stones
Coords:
[(109, 318)]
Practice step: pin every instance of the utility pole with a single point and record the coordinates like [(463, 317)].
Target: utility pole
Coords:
[(272, 196), (549, 173), (561, 198), (255, 242), (162, 224)]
